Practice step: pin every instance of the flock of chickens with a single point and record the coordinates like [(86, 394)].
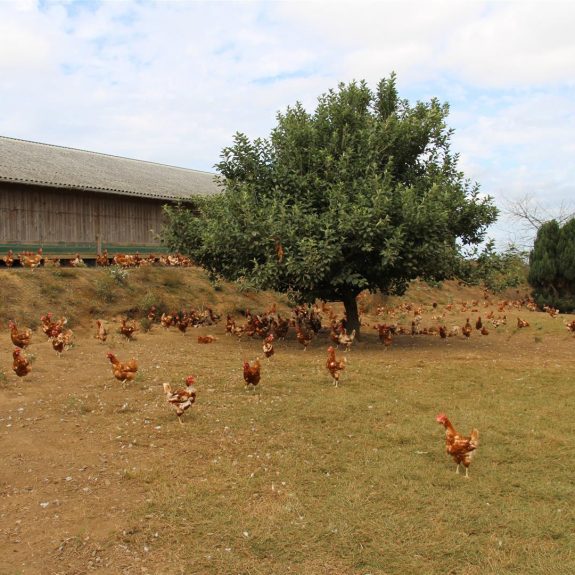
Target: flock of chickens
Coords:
[(33, 260), (271, 326)]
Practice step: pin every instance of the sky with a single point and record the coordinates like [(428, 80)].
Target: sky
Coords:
[(173, 81)]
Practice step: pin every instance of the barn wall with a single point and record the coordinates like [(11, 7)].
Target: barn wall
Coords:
[(37, 215)]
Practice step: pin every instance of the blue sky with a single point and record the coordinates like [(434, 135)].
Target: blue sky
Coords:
[(172, 81)]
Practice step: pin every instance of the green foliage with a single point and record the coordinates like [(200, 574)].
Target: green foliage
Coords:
[(119, 274), (364, 193), (552, 265), (497, 271)]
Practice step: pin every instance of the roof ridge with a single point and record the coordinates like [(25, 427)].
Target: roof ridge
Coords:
[(107, 155)]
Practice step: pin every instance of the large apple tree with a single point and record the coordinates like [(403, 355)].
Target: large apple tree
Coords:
[(363, 193)]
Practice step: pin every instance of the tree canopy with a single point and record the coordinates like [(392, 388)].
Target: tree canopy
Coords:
[(363, 193), (552, 265)]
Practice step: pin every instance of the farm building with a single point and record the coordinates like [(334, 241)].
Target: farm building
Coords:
[(67, 200)]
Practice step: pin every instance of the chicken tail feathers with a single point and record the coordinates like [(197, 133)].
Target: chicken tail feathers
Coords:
[(474, 438)]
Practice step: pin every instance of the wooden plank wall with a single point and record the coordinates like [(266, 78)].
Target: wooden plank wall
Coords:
[(37, 215)]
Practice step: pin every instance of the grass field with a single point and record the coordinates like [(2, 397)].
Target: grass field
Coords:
[(296, 476)]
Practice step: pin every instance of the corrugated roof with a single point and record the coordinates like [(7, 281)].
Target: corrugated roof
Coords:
[(22, 161)]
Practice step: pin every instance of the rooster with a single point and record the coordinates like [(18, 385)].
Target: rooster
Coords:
[(459, 447), (181, 399), (252, 372), (19, 338), (123, 371), (20, 365), (333, 365)]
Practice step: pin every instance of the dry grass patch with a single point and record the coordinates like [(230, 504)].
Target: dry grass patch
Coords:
[(296, 476)]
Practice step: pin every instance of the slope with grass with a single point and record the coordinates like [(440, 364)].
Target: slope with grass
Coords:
[(296, 476)]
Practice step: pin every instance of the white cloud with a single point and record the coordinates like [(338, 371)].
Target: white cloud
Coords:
[(172, 81)]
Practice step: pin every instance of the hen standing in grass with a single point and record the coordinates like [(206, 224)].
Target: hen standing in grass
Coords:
[(9, 259), (252, 372), (181, 399), (127, 330), (102, 333), (333, 365), (20, 365), (123, 371), (268, 345), (19, 338), (304, 337), (461, 448)]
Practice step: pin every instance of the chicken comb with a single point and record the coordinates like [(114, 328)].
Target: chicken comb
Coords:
[(441, 417)]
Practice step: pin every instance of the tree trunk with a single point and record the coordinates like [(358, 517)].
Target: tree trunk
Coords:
[(351, 313)]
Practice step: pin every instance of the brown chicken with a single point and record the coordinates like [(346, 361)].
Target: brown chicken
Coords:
[(167, 319), (268, 345), (466, 330), (62, 341), (304, 337), (384, 333), (30, 260), (19, 338), (52, 328), (333, 365), (459, 447), (478, 324), (181, 399), (484, 331), (20, 365), (252, 372), (123, 371), (102, 332), (9, 259), (206, 339), (282, 327), (522, 323), (127, 330), (182, 322), (103, 259)]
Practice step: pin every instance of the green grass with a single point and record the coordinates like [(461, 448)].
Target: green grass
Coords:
[(297, 476), (301, 477)]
